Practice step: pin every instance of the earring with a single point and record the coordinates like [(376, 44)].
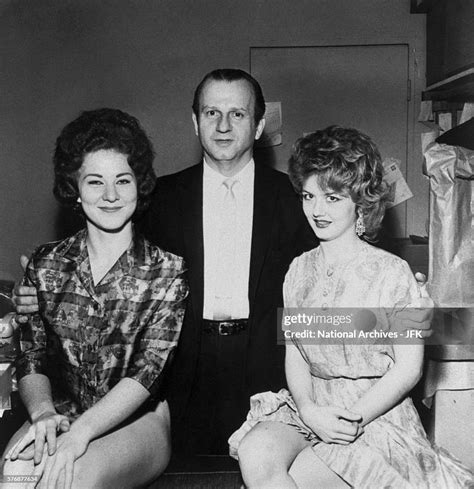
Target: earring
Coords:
[(78, 200), (360, 227)]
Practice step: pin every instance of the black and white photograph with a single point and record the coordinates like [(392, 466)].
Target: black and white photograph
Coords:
[(237, 244)]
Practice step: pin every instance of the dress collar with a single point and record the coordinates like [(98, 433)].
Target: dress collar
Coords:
[(137, 253)]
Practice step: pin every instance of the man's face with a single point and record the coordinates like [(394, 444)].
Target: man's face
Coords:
[(225, 124)]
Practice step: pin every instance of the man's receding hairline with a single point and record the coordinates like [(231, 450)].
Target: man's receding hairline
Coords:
[(249, 85)]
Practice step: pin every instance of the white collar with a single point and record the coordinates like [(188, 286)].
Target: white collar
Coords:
[(244, 176)]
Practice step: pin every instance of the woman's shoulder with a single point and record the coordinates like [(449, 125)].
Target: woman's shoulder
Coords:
[(59, 248), (164, 271), (383, 260), (390, 273), (302, 265), (371, 256), (157, 257), (305, 258)]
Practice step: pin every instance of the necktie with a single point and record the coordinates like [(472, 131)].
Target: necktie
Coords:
[(225, 252)]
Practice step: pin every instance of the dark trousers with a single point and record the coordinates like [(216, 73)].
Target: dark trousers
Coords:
[(218, 402)]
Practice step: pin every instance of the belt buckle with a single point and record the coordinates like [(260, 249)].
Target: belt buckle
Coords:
[(225, 328)]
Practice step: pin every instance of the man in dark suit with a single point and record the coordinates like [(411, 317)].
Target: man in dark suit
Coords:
[(228, 349)]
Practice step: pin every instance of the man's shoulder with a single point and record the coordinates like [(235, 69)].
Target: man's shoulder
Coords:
[(65, 249), (270, 172), (157, 258), (194, 171), (180, 176), (277, 177), (167, 186), (276, 181)]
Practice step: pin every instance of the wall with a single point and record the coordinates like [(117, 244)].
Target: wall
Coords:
[(450, 38), (146, 56)]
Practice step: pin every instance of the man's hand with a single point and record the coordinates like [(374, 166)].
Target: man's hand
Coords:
[(419, 313), (24, 297), (43, 432)]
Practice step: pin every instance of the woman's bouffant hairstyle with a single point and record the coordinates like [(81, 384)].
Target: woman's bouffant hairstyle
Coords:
[(105, 129), (345, 161)]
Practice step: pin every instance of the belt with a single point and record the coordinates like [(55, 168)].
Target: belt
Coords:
[(224, 328)]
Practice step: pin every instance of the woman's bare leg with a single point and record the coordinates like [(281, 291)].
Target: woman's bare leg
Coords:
[(129, 457), (19, 467), (267, 452), (310, 472)]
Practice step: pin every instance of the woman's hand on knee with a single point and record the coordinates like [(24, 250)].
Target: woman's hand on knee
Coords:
[(58, 470), (332, 424), (42, 434)]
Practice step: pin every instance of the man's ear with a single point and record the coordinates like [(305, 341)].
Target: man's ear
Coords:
[(195, 122), (260, 127)]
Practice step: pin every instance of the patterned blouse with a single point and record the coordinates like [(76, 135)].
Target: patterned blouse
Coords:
[(87, 337)]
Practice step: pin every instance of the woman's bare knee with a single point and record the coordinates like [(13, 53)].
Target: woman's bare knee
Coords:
[(266, 453), (309, 472), (255, 457), (128, 458), (17, 468), (258, 442)]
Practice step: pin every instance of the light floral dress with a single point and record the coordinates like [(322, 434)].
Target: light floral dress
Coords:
[(393, 452)]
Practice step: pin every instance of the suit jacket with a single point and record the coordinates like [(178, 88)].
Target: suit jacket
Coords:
[(279, 233)]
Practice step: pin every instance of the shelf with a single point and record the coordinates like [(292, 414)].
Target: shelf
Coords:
[(457, 88)]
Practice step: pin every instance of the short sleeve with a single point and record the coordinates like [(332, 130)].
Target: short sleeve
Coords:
[(159, 338), (399, 286), (399, 293)]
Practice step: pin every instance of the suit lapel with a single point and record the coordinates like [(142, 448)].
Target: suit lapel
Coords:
[(265, 195), (190, 190)]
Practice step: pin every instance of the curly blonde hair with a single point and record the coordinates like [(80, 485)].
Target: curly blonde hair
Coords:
[(345, 161)]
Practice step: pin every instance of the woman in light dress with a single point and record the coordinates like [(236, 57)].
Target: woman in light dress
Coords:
[(346, 420)]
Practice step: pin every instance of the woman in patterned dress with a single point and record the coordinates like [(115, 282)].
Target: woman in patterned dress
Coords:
[(111, 307), (348, 421)]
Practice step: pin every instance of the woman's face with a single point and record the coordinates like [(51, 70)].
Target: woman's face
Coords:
[(107, 189), (331, 215)]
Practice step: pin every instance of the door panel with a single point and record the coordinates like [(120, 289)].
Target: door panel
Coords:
[(364, 87)]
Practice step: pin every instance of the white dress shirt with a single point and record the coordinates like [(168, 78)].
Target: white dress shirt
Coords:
[(238, 270)]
